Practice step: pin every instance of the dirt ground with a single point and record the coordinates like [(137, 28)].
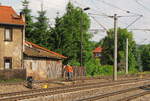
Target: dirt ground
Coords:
[(22, 87)]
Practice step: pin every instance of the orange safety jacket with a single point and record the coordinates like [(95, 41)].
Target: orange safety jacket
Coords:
[(69, 68)]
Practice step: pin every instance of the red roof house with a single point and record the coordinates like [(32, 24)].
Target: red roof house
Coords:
[(9, 16), (97, 52)]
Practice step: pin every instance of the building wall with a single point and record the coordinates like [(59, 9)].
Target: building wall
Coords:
[(13, 48), (42, 69)]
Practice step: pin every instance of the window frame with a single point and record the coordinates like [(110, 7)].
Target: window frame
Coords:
[(10, 58), (11, 34)]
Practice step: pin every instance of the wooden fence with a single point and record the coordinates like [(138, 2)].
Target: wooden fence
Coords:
[(12, 73), (77, 72)]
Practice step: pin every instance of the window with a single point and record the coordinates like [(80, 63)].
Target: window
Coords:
[(7, 63), (97, 54), (8, 34)]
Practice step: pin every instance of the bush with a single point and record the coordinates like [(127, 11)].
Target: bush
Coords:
[(93, 68), (104, 70)]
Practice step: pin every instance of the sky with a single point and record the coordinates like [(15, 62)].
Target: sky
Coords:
[(99, 12)]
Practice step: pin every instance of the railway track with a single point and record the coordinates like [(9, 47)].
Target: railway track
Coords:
[(51, 91), (117, 95), (132, 97)]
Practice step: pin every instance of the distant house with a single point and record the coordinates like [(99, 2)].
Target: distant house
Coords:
[(16, 53), (97, 52)]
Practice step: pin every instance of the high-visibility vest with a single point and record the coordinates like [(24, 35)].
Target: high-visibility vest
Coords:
[(69, 69)]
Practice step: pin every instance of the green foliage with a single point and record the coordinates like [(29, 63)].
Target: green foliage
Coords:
[(108, 48), (74, 63), (95, 69), (28, 18), (92, 66), (41, 32), (65, 38), (105, 70), (11, 80), (145, 57)]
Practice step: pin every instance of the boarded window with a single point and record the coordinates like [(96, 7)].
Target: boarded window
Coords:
[(8, 63), (8, 34)]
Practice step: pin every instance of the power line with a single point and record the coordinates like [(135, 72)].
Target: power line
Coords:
[(76, 2), (114, 6), (140, 29), (99, 23), (134, 21), (137, 1)]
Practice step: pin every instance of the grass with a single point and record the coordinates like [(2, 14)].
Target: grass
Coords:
[(15, 80)]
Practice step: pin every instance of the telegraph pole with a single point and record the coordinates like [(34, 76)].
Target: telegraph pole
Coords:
[(81, 35), (127, 43), (81, 43), (115, 49)]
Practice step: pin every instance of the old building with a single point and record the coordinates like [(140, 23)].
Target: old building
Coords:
[(42, 63), (97, 52), (18, 54), (11, 38)]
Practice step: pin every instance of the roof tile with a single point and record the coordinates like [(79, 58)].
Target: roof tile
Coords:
[(42, 48), (98, 49), (9, 16)]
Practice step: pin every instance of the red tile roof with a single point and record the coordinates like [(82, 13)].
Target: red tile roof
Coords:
[(9, 16), (45, 49), (97, 50)]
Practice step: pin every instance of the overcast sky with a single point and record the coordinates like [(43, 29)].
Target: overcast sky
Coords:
[(100, 9)]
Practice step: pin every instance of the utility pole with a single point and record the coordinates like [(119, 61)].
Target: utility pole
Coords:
[(115, 49), (81, 43), (127, 43), (81, 35)]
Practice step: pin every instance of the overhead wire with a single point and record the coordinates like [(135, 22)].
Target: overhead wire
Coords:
[(137, 1), (99, 23), (93, 9), (133, 22), (114, 6), (127, 11)]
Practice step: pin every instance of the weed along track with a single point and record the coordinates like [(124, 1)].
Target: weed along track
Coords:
[(53, 93), (122, 77)]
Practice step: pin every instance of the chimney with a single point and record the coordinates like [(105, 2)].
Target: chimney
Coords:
[(22, 15)]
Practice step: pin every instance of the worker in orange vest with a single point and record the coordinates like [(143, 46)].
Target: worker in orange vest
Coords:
[(69, 71)]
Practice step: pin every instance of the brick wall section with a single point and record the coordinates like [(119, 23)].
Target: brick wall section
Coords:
[(11, 74), (13, 48)]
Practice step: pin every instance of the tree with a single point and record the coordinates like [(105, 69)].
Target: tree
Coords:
[(66, 36), (41, 32), (108, 48), (145, 57), (28, 18)]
